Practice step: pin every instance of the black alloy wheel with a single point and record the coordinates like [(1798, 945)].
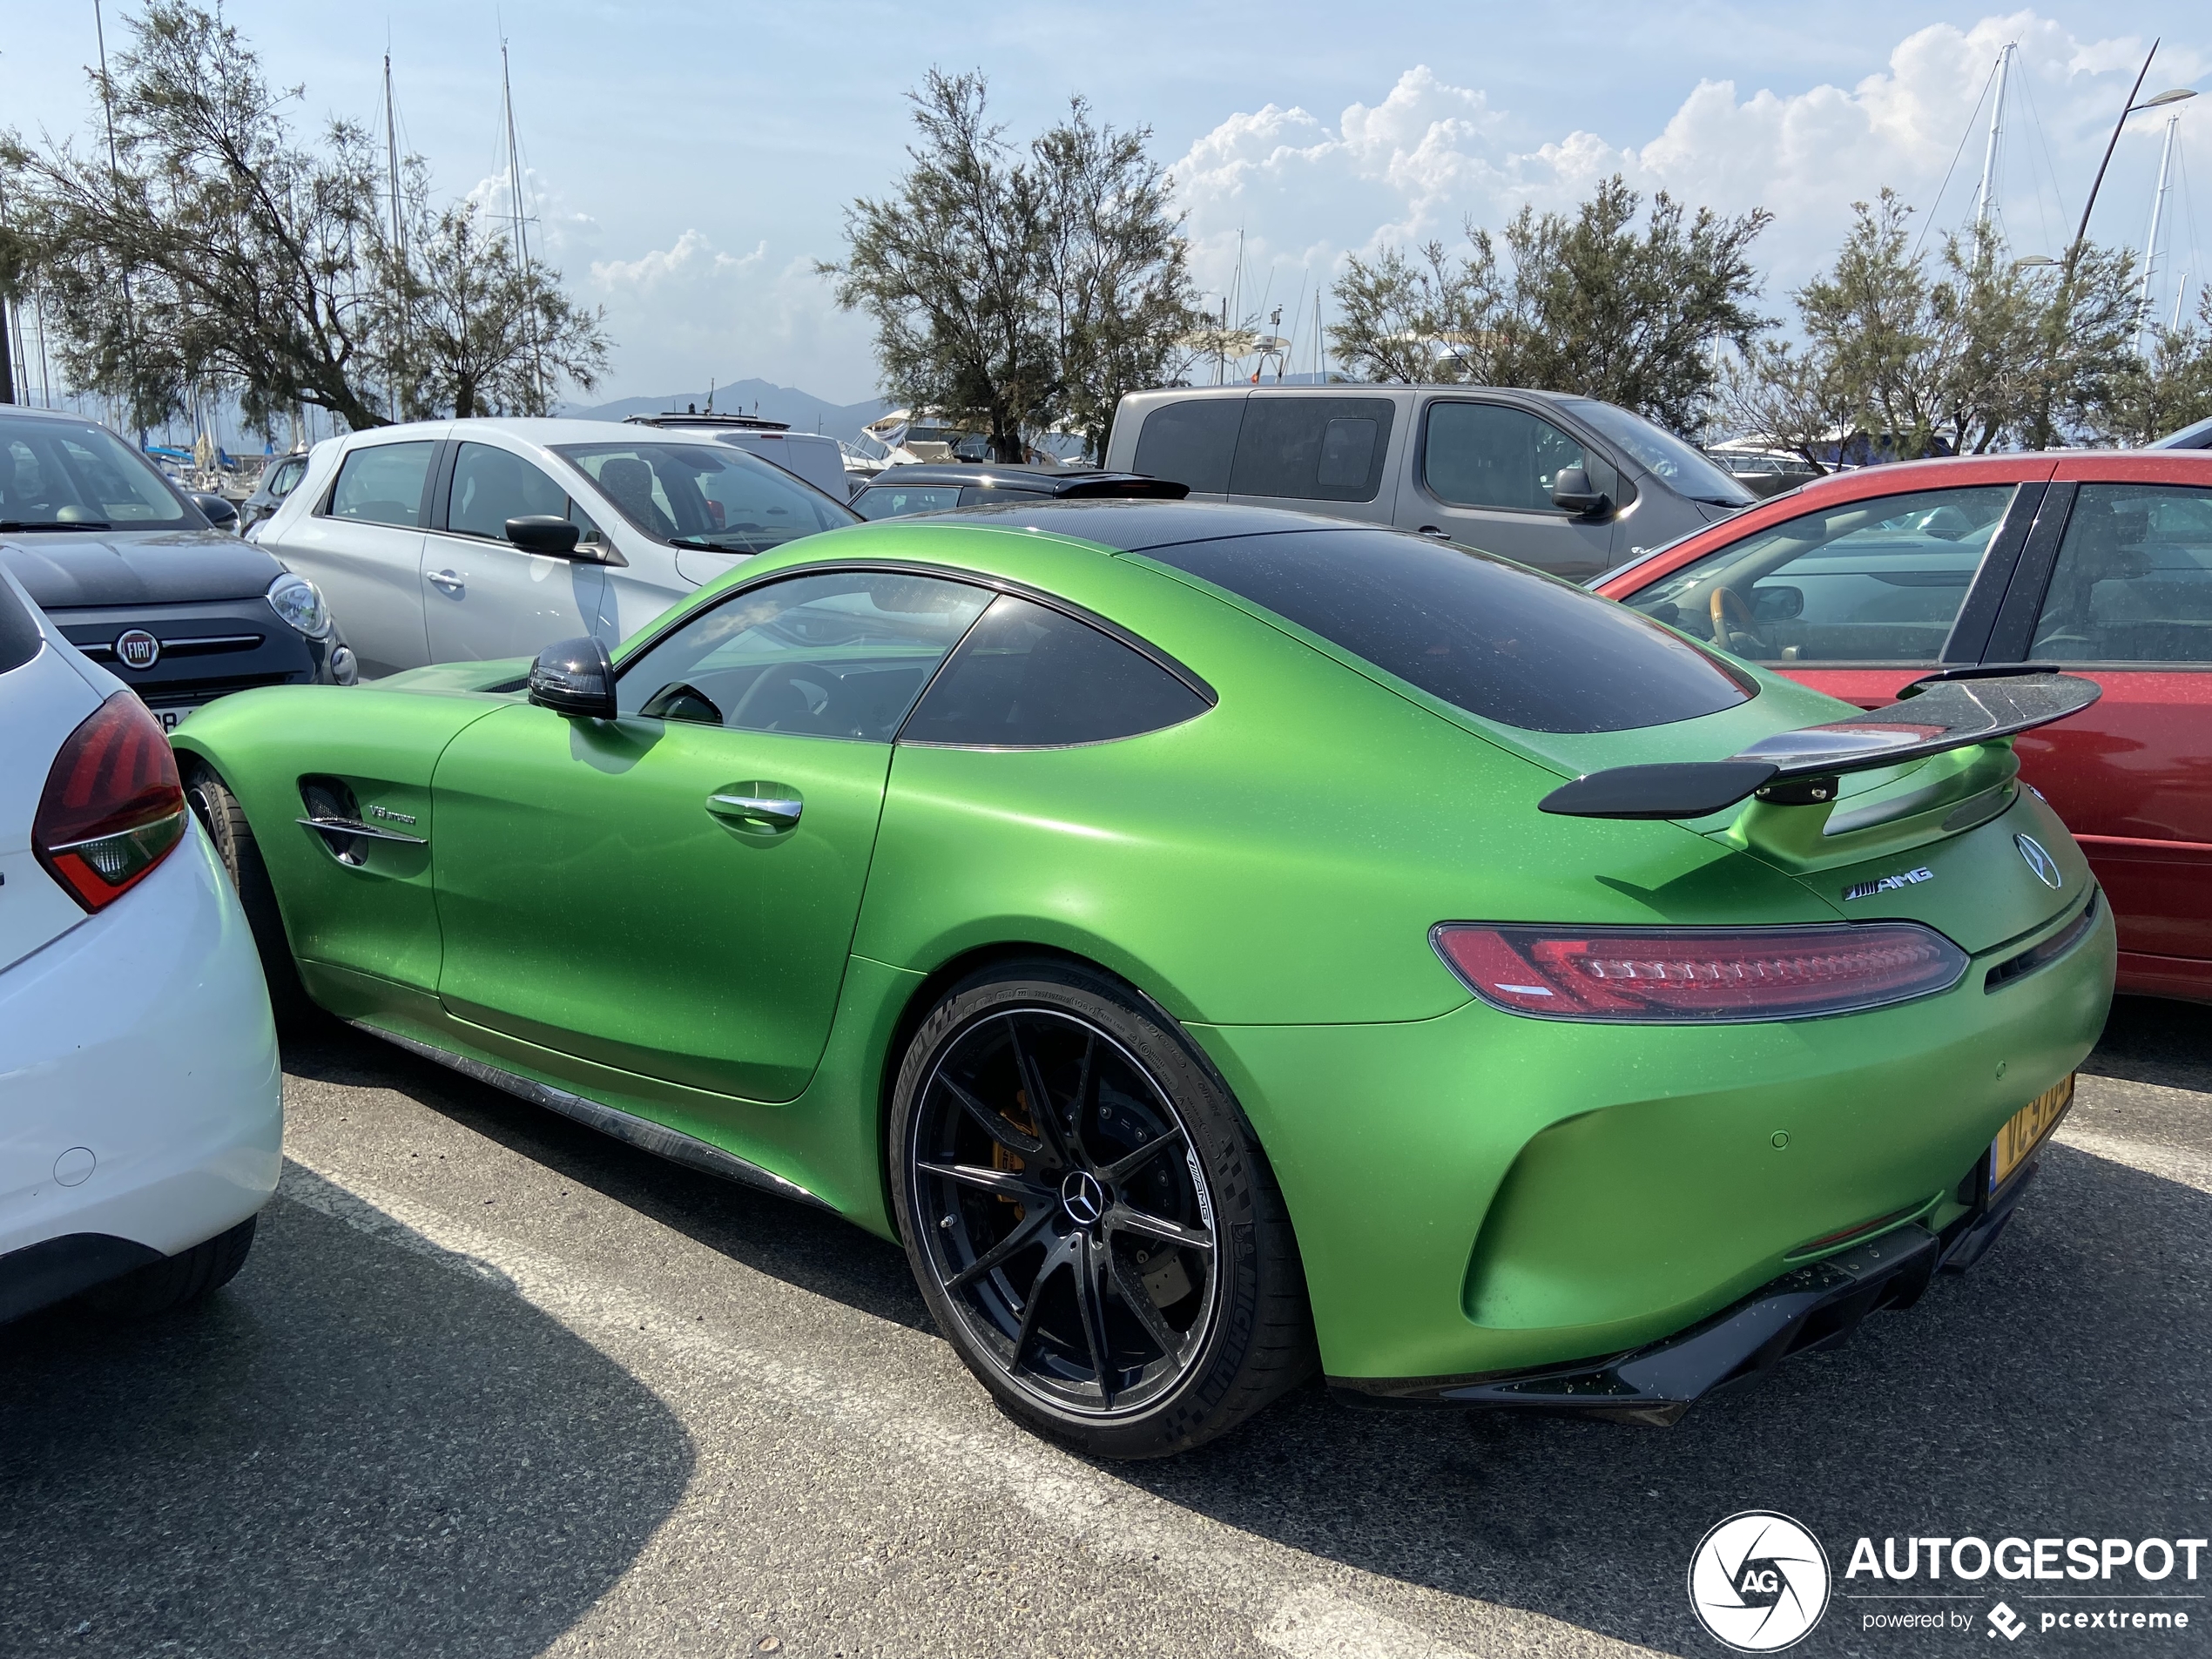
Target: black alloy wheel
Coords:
[(1087, 1219)]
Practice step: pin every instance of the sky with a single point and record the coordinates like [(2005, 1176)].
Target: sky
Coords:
[(689, 164)]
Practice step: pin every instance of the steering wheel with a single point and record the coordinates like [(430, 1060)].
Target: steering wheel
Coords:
[(1725, 634), (776, 701)]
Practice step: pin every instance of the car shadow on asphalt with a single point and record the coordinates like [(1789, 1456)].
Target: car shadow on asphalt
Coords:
[(2060, 1389), (807, 1248), (2152, 1040), (350, 1448)]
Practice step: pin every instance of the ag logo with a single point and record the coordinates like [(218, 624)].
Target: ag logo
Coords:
[(136, 647), (2045, 866), (1758, 1582)]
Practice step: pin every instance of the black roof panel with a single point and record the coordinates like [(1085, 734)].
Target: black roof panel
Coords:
[(1133, 526)]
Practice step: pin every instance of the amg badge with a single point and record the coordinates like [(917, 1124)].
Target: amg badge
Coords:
[(1888, 883)]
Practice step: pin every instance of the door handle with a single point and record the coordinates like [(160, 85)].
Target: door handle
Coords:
[(757, 808), (446, 581)]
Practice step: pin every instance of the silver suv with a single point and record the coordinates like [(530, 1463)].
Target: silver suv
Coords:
[(1567, 484)]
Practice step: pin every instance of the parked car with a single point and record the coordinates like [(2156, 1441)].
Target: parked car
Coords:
[(140, 1103), (453, 541), (130, 572), (818, 460), (276, 480), (1157, 915), (2100, 561), (897, 491), (1566, 484), (2197, 436)]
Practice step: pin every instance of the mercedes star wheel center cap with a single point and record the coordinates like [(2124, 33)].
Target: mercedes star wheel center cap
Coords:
[(1084, 1199)]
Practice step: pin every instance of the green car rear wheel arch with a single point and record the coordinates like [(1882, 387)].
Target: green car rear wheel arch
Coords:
[(1088, 1217)]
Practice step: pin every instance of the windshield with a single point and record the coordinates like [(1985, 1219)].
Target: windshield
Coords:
[(73, 476), (1662, 454), (705, 495), (1503, 642)]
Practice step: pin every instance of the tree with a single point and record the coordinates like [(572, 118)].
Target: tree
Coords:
[(1017, 290), (240, 255), (2153, 395), (462, 327), (1582, 303)]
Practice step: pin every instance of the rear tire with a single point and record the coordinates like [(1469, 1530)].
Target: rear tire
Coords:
[(1118, 1270), (188, 1276), (223, 820)]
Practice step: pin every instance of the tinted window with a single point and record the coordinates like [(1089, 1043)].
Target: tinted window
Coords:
[(1494, 638), (1026, 677), (1311, 449), (999, 494), (1877, 581), (19, 639), (2134, 578), (896, 500), (705, 495), (1487, 455), (840, 655), (382, 483), (1193, 441), (64, 472)]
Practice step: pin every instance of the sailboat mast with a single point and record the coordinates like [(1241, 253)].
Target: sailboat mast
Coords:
[(399, 223), (2143, 324), (521, 227), (1985, 203)]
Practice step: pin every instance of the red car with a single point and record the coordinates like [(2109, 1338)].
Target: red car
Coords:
[(2097, 561)]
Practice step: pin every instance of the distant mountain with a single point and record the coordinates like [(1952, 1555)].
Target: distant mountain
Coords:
[(802, 411)]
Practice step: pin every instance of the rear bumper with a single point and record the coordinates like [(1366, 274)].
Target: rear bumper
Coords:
[(141, 1099), (1815, 1306), (1481, 1195)]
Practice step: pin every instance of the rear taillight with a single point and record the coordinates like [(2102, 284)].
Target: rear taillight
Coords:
[(1662, 975), (113, 807)]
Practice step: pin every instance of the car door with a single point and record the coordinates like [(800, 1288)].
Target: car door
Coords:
[(486, 598), (1486, 470), (2116, 584), (1858, 598), (362, 545), (673, 891)]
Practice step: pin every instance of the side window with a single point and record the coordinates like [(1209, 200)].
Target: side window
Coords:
[(1028, 677), (2134, 578), (490, 487), (840, 655), (288, 474), (1487, 455), (888, 501), (382, 484), (1311, 449), (1193, 441), (1875, 581)]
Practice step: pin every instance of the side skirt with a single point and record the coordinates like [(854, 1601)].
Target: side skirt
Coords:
[(657, 1138)]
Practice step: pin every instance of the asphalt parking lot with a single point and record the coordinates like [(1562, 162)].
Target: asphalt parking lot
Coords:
[(493, 1385)]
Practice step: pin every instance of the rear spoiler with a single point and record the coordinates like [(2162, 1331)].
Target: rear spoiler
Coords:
[(1952, 709)]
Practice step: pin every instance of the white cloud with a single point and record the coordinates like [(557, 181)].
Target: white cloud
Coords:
[(691, 312), (1302, 192)]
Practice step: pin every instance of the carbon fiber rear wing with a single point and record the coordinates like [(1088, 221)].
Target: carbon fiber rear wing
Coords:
[(1952, 709)]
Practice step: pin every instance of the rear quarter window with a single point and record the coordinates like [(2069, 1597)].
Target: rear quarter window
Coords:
[(19, 637), (1193, 441), (1503, 642)]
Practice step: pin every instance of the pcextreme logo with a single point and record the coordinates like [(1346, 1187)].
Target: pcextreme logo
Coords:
[(1758, 1582)]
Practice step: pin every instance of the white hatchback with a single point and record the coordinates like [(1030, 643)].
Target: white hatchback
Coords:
[(141, 1106), (468, 541)]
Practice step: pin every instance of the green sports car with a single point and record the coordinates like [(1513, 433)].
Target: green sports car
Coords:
[(1218, 942)]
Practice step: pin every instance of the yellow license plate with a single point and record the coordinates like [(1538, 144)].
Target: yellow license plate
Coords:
[(2027, 1130)]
